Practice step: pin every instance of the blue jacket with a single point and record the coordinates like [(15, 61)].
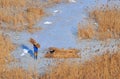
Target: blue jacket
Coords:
[(35, 48)]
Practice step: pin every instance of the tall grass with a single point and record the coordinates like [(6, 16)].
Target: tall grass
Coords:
[(107, 19), (12, 3), (5, 48), (86, 31), (16, 73), (19, 15), (106, 66), (5, 58)]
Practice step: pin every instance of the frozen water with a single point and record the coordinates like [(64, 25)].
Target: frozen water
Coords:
[(59, 30)]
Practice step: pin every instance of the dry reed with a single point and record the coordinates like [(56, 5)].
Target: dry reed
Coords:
[(19, 15), (106, 66), (62, 53), (86, 31), (5, 58), (108, 24)]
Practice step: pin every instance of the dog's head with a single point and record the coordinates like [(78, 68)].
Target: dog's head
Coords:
[(52, 50)]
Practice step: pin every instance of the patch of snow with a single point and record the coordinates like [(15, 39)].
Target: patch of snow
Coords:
[(72, 1), (96, 24), (25, 51), (47, 22), (56, 11)]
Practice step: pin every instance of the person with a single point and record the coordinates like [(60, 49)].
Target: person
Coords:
[(35, 47), (35, 51)]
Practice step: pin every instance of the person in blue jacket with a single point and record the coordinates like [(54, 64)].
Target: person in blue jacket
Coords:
[(35, 51), (35, 47)]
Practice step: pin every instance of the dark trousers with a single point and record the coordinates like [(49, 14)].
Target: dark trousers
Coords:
[(35, 55)]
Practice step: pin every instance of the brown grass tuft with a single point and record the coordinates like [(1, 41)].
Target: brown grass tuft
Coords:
[(86, 31), (16, 73), (5, 58), (19, 15), (12, 3), (106, 66), (107, 20), (62, 53), (5, 48)]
